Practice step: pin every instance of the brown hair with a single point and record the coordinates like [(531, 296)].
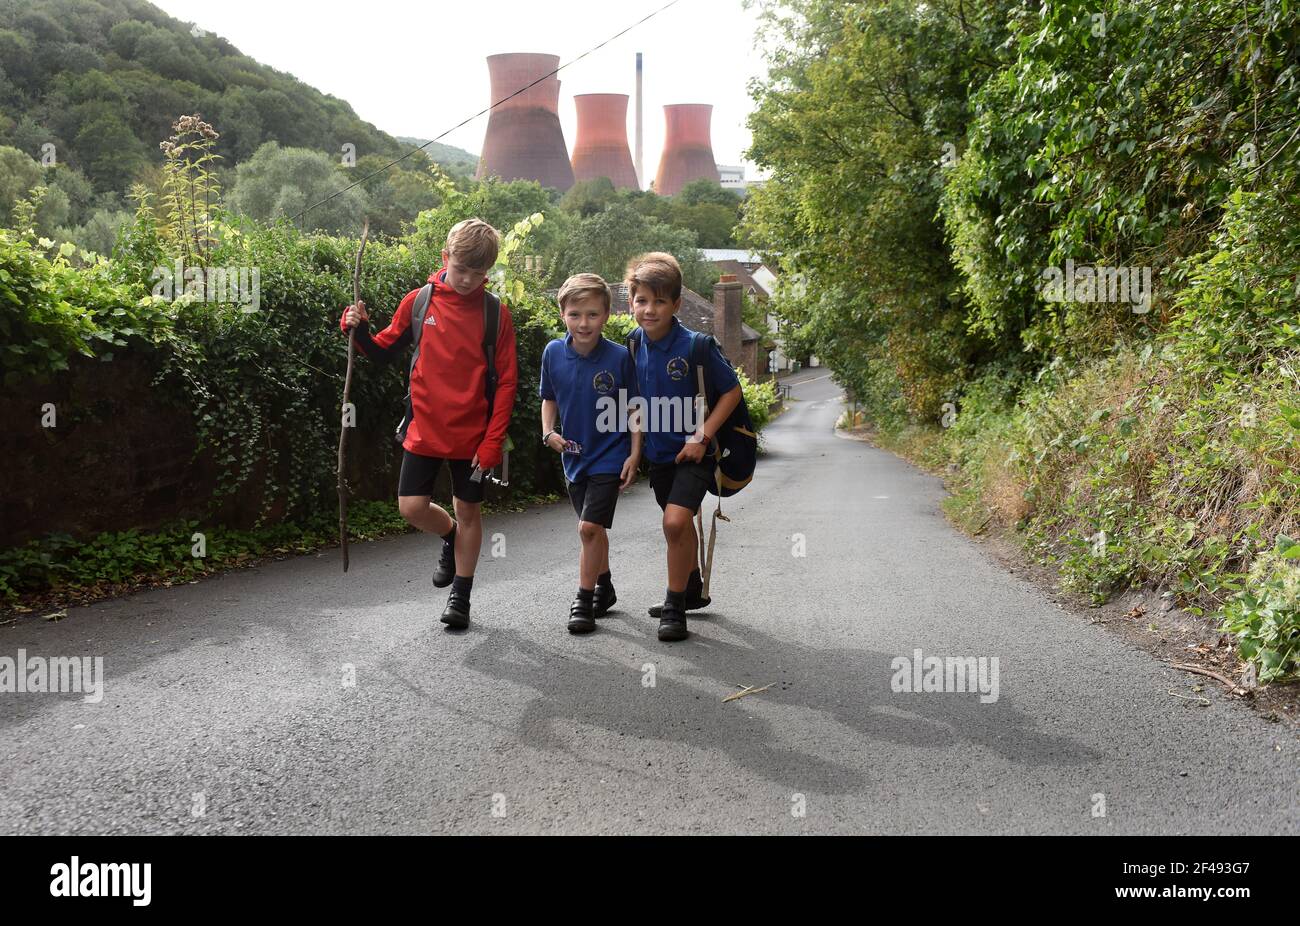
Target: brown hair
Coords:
[(474, 243), (658, 272), (584, 284)]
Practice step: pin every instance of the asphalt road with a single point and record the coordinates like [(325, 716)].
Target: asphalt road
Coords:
[(225, 707)]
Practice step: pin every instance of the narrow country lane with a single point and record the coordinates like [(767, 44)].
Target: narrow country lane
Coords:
[(225, 708)]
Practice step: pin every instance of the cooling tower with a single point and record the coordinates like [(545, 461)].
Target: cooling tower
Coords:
[(524, 140), (601, 149), (688, 148)]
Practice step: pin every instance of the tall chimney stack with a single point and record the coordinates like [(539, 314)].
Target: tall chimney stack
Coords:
[(726, 318), (640, 123)]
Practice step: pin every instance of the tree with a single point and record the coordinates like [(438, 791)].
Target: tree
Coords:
[(606, 242), (99, 233), (18, 174), (499, 203), (704, 190), (853, 121), (399, 193), (125, 36), (281, 182), (589, 197), (108, 152), (712, 223)]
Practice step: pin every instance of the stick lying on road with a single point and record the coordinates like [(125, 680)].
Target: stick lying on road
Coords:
[(748, 690)]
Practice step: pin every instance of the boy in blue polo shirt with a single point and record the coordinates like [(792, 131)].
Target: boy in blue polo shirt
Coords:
[(676, 440), (583, 378)]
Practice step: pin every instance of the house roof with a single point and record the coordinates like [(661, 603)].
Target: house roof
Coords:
[(744, 277), (738, 254)]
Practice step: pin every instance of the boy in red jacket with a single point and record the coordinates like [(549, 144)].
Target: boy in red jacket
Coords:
[(449, 415)]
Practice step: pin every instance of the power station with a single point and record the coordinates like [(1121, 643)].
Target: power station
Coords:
[(524, 139)]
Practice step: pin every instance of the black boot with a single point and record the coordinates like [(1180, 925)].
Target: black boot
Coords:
[(672, 618), (695, 599), (456, 614), (445, 571), (604, 598), (582, 618)]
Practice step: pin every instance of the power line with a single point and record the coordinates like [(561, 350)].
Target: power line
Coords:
[(481, 112)]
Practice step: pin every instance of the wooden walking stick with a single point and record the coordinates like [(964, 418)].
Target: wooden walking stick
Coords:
[(347, 390)]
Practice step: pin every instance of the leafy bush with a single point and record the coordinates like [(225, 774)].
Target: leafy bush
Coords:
[(50, 310), (1265, 616), (759, 398)]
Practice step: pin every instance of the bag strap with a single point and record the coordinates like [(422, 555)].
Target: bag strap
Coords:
[(633, 344), (418, 313), (701, 347)]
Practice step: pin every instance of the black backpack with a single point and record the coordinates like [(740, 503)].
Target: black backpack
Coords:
[(491, 325), (735, 446)]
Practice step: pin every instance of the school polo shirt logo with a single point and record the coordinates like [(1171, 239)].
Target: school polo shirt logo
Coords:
[(603, 382), (678, 368)]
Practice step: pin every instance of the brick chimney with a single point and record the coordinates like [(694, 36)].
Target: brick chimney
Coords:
[(726, 316)]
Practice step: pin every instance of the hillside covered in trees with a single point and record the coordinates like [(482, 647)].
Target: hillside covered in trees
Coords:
[(88, 89), (103, 80)]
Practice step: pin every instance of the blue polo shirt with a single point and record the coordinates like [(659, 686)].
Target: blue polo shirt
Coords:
[(578, 384), (663, 369)]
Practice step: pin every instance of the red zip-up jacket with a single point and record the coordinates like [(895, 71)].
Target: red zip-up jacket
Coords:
[(449, 382)]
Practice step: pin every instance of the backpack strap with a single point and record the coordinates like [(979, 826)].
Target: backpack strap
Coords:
[(634, 346), (701, 348), (418, 313)]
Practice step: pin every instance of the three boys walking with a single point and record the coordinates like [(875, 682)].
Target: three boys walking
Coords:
[(462, 390)]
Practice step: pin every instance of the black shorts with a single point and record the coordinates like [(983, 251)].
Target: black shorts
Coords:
[(683, 484), (420, 473), (594, 498)]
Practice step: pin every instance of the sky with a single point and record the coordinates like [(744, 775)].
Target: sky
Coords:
[(697, 51)]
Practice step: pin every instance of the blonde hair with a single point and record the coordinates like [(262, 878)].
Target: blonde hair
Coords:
[(584, 284), (474, 243), (658, 272)]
